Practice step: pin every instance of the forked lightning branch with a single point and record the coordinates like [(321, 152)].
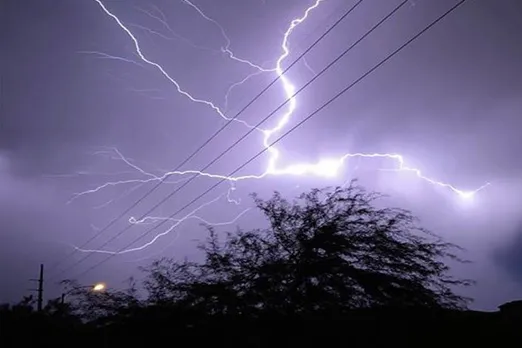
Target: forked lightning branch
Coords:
[(277, 164)]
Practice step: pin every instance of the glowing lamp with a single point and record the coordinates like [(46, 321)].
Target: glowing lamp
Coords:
[(98, 287)]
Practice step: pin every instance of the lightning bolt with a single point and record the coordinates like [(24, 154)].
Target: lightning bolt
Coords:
[(326, 167), (228, 51), (102, 55), (173, 240), (162, 19), (163, 71), (177, 222)]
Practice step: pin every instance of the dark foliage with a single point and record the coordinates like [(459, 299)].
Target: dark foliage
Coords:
[(331, 251), (332, 268)]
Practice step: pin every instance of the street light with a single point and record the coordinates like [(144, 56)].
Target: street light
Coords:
[(98, 287)]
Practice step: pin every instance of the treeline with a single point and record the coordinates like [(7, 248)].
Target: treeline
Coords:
[(332, 268)]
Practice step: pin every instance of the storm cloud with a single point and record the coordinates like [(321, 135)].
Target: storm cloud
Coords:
[(76, 96)]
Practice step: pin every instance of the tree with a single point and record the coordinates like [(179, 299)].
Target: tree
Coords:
[(330, 251), (22, 325), (100, 307)]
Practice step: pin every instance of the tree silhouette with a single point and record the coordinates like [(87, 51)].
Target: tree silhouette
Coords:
[(22, 325), (328, 252), (330, 265), (100, 306)]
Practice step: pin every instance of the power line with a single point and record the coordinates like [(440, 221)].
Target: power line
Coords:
[(249, 132), (216, 133), (375, 67)]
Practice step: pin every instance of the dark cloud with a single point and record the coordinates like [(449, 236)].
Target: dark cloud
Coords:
[(450, 103), (509, 255)]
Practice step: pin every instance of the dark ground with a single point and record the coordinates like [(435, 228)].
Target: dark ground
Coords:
[(363, 328)]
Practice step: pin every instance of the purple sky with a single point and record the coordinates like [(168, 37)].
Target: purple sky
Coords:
[(80, 108)]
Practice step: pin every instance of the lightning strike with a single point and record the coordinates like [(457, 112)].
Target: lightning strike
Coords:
[(177, 222), (163, 21), (226, 49), (237, 84), (307, 65), (162, 70), (102, 55), (325, 168), (204, 222), (230, 199)]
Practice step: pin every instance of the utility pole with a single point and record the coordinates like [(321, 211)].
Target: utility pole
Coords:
[(40, 288), (40, 280)]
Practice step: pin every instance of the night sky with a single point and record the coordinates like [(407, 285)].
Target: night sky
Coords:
[(87, 126)]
